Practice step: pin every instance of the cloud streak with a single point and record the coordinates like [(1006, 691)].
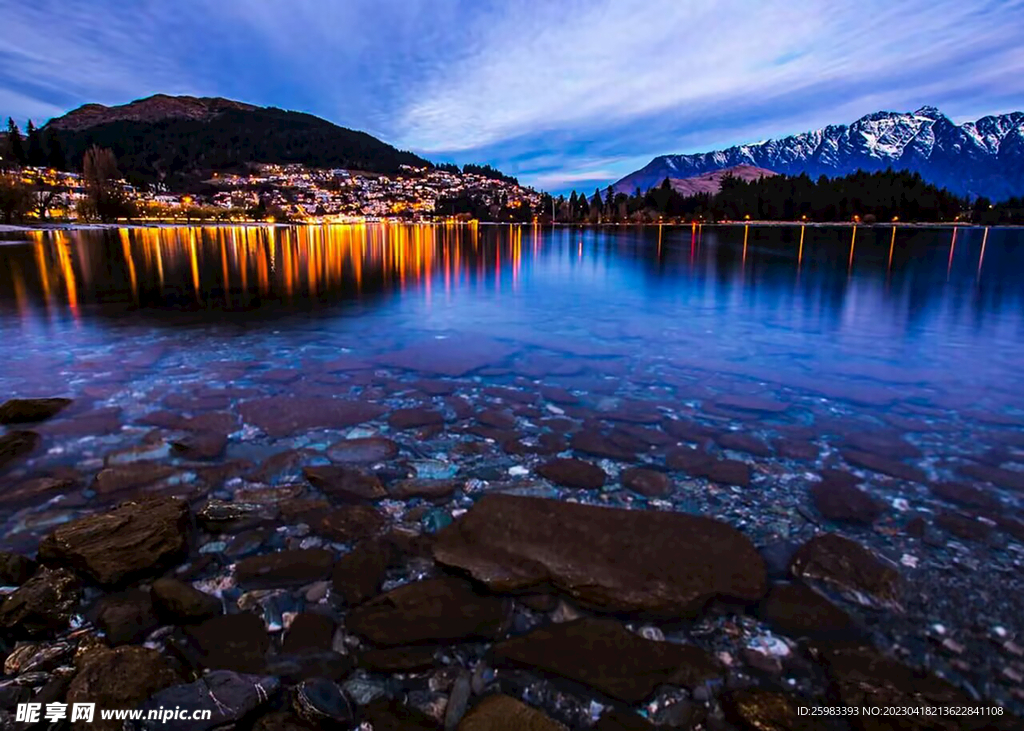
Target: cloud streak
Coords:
[(553, 92)]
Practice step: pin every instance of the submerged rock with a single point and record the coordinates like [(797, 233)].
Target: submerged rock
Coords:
[(699, 463), (120, 678), (849, 568), (42, 604), (230, 697), (659, 563), (24, 411), (414, 418), (284, 569), (425, 488), (796, 610), (432, 610), (17, 444), (358, 574), (503, 713), (365, 449), (601, 653), (135, 539), (838, 498), (573, 473), (281, 416), (351, 523), (35, 491), (345, 483), (122, 477), (647, 482)]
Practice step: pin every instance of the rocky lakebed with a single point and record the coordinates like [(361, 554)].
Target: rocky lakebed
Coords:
[(480, 538)]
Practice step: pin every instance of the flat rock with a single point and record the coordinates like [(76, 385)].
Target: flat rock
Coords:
[(649, 483), (863, 677), (759, 404), (796, 610), (35, 491), (963, 526), (699, 463), (848, 567), (883, 443), (284, 569), (414, 418), (15, 445), (660, 563), (885, 465), (741, 442), (964, 493), (358, 574), (573, 473), (423, 487), (496, 418), (596, 444), (120, 678), (42, 604), (757, 709), (236, 642), (136, 539), (841, 500), (125, 617), (179, 603), (120, 478), (363, 450), (345, 483), (602, 654), (230, 698), (431, 610), (280, 416), (1008, 479), (351, 523), (25, 411), (504, 713), (201, 445)]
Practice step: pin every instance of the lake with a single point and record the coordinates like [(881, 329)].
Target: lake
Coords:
[(866, 382)]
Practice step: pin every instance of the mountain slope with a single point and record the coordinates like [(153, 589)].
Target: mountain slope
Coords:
[(712, 182), (176, 139), (985, 157)]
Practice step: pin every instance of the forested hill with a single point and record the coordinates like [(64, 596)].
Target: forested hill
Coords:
[(173, 139)]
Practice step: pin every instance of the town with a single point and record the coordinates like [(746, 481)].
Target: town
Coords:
[(293, 193)]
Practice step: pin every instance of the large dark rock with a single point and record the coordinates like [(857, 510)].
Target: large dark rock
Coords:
[(351, 523), (125, 617), (862, 677), (647, 482), (366, 449), (24, 411), (42, 604), (15, 569), (573, 473), (757, 709), (15, 445), (345, 483), (601, 653), (281, 416), (358, 574), (180, 603), (796, 610), (136, 539), (848, 567), (309, 632), (284, 569), (432, 610), (236, 642), (838, 498), (504, 713), (120, 678), (230, 698), (659, 563)]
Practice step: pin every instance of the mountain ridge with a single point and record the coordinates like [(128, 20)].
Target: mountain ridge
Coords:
[(980, 158), (179, 139)]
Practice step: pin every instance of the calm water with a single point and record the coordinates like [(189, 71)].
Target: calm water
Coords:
[(895, 359)]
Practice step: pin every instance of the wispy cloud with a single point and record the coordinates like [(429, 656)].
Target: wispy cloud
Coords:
[(553, 92)]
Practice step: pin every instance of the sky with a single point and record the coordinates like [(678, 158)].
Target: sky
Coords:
[(564, 93)]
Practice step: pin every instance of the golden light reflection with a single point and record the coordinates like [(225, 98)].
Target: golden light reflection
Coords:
[(981, 257), (892, 247), (853, 243)]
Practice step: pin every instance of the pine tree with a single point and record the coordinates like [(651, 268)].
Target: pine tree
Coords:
[(14, 145), (35, 155)]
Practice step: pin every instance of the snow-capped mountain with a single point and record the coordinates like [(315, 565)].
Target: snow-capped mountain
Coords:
[(985, 157)]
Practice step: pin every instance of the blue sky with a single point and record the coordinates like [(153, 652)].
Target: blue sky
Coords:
[(563, 94)]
